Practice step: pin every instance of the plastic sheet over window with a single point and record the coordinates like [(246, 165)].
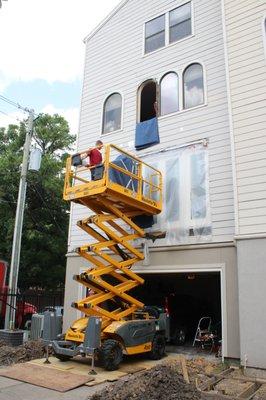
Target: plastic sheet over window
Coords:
[(186, 209)]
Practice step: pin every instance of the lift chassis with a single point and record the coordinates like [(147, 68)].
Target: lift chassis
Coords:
[(125, 188)]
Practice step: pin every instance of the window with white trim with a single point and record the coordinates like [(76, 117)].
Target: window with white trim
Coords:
[(169, 90), (155, 34), (180, 23), (112, 113), (168, 28), (193, 86)]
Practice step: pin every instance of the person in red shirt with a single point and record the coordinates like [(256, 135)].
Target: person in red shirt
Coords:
[(95, 157)]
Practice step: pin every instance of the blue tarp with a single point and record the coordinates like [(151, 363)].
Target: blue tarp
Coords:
[(119, 177), (147, 134)]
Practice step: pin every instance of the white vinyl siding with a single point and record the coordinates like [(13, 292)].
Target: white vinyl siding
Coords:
[(114, 62), (247, 80)]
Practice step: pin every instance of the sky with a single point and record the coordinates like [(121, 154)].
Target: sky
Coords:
[(42, 54)]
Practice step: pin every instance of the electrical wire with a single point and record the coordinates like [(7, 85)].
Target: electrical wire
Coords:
[(13, 103), (10, 116), (46, 207)]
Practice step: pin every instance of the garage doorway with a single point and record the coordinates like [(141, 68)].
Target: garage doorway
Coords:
[(188, 296)]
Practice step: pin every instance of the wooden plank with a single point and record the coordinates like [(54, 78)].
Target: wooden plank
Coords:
[(61, 381), (184, 369), (215, 395), (260, 394), (232, 387), (249, 391)]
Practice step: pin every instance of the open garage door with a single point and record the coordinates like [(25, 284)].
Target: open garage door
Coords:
[(188, 297)]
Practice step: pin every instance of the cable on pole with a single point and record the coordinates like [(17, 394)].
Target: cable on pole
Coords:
[(10, 116), (14, 104)]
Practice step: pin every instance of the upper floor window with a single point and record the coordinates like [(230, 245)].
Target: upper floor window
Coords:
[(169, 93), (155, 34), (112, 112), (180, 22), (170, 27), (147, 100), (193, 90)]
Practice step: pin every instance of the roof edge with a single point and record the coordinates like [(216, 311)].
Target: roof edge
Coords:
[(106, 19)]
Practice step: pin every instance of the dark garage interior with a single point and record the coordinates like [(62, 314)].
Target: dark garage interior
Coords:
[(187, 297)]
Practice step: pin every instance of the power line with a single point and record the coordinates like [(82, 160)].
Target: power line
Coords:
[(10, 116), (14, 104), (47, 207)]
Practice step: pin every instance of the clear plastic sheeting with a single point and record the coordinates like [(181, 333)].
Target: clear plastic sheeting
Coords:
[(186, 208)]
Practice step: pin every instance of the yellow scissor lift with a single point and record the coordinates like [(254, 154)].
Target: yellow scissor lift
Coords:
[(126, 187)]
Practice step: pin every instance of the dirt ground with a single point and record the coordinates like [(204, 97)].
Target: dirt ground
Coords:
[(161, 382), (26, 352), (164, 382)]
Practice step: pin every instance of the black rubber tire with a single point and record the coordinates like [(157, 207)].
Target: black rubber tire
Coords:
[(179, 336), (110, 354), (158, 347), (62, 357)]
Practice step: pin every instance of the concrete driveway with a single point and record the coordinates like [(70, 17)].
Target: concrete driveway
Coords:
[(14, 390)]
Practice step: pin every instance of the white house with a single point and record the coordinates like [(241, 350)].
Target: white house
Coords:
[(200, 69)]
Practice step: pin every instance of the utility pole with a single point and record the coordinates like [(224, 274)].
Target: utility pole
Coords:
[(10, 316)]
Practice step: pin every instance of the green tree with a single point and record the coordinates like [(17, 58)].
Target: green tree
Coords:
[(45, 227)]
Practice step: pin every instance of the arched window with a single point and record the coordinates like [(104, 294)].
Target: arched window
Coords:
[(193, 90), (112, 111), (148, 100), (169, 93)]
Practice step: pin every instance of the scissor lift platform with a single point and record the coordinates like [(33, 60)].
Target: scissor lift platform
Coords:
[(128, 182)]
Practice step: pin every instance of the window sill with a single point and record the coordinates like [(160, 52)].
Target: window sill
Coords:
[(167, 46), (111, 133), (182, 111)]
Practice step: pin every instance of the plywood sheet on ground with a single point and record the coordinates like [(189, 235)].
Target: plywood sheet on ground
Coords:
[(45, 377), (105, 376), (82, 366)]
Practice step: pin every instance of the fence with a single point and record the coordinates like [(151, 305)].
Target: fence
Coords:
[(28, 304)]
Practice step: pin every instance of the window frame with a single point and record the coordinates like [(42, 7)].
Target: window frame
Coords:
[(167, 28), (139, 90), (180, 73), (103, 112), (158, 16), (203, 87), (178, 94)]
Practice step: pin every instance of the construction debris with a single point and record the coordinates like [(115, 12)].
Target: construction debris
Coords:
[(161, 382), (26, 352)]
